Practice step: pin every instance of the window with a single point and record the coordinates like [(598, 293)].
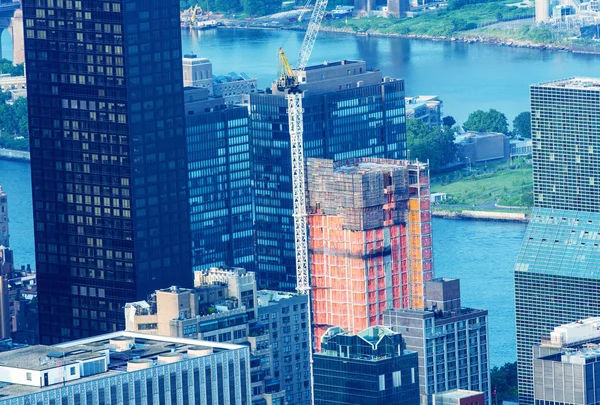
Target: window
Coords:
[(72, 371), (28, 376)]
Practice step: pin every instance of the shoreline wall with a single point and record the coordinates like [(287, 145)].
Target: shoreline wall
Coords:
[(483, 215), (11, 154)]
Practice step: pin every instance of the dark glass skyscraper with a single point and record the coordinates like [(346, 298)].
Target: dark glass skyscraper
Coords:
[(372, 367), (220, 182), (108, 151), (349, 112), (556, 275)]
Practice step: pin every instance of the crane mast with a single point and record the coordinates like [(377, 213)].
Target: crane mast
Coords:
[(288, 82)]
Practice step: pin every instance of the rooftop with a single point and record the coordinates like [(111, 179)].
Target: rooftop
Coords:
[(575, 332), (413, 103), (458, 394), (579, 83), (372, 165), (40, 357), (121, 348), (266, 297), (231, 77), (331, 64), (588, 353)]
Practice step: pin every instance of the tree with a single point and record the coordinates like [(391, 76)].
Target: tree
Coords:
[(504, 381), (448, 121), (7, 66), (261, 7), (522, 125), (227, 5), (430, 143), (490, 121)]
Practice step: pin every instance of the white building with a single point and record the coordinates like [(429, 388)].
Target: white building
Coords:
[(127, 368), (427, 109)]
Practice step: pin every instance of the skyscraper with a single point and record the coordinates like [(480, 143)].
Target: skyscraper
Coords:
[(349, 112), (108, 153), (556, 274), (368, 252), (220, 182), (371, 367)]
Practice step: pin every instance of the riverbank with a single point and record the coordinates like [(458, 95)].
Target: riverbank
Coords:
[(11, 154), (461, 38), (483, 215), (469, 38)]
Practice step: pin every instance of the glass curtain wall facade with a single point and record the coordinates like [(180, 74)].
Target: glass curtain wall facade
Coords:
[(359, 122), (369, 368), (556, 274), (108, 158), (220, 189)]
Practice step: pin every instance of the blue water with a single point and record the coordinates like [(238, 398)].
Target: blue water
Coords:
[(467, 77), (482, 255), (15, 179)]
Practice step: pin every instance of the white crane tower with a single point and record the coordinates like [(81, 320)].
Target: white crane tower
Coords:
[(288, 82)]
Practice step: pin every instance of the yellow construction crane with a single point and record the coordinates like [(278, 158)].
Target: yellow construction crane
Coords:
[(287, 78), (193, 16)]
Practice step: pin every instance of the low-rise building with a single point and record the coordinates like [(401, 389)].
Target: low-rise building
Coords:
[(232, 86), (521, 147), (217, 309), (372, 367), (479, 148), (224, 306), (197, 72), (566, 367), (451, 341), (427, 109), (127, 368), (459, 397)]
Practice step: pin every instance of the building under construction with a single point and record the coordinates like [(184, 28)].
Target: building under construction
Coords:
[(369, 240)]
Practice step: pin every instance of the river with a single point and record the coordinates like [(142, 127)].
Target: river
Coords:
[(465, 76)]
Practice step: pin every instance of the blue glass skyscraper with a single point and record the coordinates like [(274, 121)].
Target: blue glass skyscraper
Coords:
[(349, 112)]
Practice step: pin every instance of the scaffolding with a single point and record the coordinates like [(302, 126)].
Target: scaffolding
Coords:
[(359, 246)]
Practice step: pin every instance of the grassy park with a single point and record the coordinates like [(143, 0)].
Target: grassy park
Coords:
[(503, 187)]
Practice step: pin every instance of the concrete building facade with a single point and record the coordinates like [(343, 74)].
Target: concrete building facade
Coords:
[(127, 368), (427, 109), (480, 148), (286, 319), (197, 72), (451, 341), (372, 367), (566, 367), (555, 277), (369, 240)]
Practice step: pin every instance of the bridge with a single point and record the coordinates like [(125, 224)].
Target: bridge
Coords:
[(11, 19)]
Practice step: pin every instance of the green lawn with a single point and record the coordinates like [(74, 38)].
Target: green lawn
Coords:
[(442, 22), (506, 187)]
